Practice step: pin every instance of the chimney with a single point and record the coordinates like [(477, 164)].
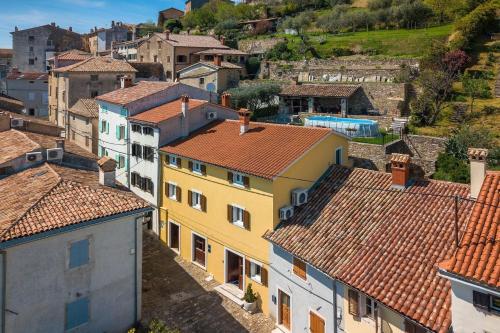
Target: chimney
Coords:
[(126, 81), (112, 24), (60, 143), (244, 120), (4, 121), (16, 28), (70, 28), (107, 168), (167, 34), (223, 40), (217, 60), (185, 115), (226, 100), (477, 158), (53, 24), (184, 105), (400, 169)]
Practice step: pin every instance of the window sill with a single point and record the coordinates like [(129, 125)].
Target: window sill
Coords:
[(196, 207), (173, 199), (255, 279), (239, 224)]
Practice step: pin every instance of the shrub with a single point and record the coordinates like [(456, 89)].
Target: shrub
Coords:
[(255, 96), (281, 51), (494, 47), (341, 51), (250, 296), (452, 169), (253, 66), (490, 110)]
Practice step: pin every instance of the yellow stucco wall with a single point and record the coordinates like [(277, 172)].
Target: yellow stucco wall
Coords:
[(263, 200)]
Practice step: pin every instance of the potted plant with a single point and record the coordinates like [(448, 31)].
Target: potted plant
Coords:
[(250, 300)]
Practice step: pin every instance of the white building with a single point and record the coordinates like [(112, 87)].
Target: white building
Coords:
[(66, 264)]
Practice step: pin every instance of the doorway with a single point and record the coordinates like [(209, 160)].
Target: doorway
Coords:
[(174, 237), (199, 250), (234, 269), (284, 311)]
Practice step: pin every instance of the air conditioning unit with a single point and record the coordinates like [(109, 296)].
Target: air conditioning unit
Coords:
[(212, 115), (16, 122), (299, 197), (34, 157), (55, 154), (286, 213)]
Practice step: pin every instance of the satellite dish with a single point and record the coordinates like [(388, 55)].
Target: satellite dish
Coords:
[(211, 87)]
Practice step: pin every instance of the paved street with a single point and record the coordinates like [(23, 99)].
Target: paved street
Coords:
[(176, 292)]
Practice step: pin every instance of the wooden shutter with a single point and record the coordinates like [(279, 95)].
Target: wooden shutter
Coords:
[(230, 177), (203, 202), (178, 194), (230, 213), (203, 169), (167, 190), (317, 324), (246, 181), (299, 268), (247, 267), (132, 178), (190, 198), (246, 219), (190, 165), (179, 161), (353, 302), (263, 276)]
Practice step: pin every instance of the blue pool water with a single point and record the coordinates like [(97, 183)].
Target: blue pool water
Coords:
[(348, 126)]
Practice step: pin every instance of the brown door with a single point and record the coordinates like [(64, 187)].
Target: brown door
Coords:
[(174, 236), (199, 250), (317, 325), (240, 271), (284, 309)]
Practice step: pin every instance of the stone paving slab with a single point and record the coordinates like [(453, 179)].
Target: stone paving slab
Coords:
[(176, 292)]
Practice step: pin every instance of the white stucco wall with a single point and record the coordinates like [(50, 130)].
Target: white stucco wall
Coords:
[(39, 284), (466, 318), (315, 294)]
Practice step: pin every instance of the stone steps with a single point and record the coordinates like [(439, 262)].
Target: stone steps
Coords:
[(231, 292)]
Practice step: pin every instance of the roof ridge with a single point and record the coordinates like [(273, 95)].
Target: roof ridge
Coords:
[(283, 125)]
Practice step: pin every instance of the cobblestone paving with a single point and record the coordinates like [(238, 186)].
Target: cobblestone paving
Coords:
[(176, 292)]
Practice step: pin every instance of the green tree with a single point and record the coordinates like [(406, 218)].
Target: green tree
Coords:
[(475, 88), (255, 96)]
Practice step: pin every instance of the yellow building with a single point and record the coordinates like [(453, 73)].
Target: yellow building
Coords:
[(228, 183)]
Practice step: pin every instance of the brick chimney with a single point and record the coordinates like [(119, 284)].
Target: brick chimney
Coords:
[(400, 169), (223, 40), (4, 121), (107, 170), (477, 159), (126, 82), (226, 100), (244, 120), (217, 60), (167, 34)]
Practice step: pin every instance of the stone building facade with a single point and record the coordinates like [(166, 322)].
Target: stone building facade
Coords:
[(5, 65), (33, 47), (83, 120), (31, 89), (102, 39)]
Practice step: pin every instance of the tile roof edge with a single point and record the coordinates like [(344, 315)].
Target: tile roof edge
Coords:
[(448, 274)]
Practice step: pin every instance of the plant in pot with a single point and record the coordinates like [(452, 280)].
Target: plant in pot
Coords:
[(250, 300)]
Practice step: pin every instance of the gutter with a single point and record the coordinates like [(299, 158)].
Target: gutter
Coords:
[(473, 284)]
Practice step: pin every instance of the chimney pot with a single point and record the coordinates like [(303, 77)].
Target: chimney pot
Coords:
[(53, 24), (226, 100), (16, 28), (112, 24), (400, 170), (126, 82), (107, 170), (477, 159), (184, 105), (244, 120), (60, 143), (167, 34)]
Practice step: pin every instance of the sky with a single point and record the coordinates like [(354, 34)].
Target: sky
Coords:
[(79, 14)]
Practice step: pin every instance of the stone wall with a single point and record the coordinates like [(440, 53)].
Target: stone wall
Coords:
[(258, 46)]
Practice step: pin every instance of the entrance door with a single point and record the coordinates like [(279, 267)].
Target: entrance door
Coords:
[(199, 250), (284, 309), (234, 269), (317, 324), (174, 235)]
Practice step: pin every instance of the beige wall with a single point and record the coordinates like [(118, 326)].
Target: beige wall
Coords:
[(165, 55), (83, 132)]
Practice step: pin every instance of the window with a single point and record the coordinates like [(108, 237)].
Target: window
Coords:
[(104, 126), (181, 58), (136, 128), (197, 167), (413, 328), (31, 38), (144, 183), (87, 141), (77, 313), (174, 161), (238, 216), (256, 272), (31, 48), (31, 112), (353, 297), (31, 96), (120, 160), (173, 191), (159, 45), (299, 268), (480, 300), (238, 179), (338, 156), (168, 59), (155, 58), (120, 132), (135, 179), (31, 61), (195, 199), (202, 80), (94, 93), (370, 307), (94, 77), (495, 303), (72, 135), (79, 253), (148, 153), (102, 151), (49, 42), (136, 150), (147, 130)]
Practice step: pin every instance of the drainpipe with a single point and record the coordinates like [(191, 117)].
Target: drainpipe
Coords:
[(136, 222), (334, 303)]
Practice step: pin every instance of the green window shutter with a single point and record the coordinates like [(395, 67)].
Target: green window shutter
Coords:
[(117, 159), (107, 127), (100, 126), (124, 112), (117, 129), (126, 132), (126, 162)]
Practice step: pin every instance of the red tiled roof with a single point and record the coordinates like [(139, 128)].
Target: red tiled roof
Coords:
[(478, 257), (222, 51), (6, 53), (98, 65), (199, 41), (73, 55), (165, 111), (86, 107), (14, 144), (27, 76), (265, 150), (139, 91), (319, 90), (383, 242), (49, 197)]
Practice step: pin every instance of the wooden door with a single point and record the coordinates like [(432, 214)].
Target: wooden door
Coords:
[(199, 250), (317, 324), (284, 310), (174, 236), (240, 276)]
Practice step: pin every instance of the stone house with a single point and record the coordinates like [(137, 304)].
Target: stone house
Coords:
[(361, 254), (5, 66), (33, 47), (31, 89), (63, 59), (101, 40), (82, 124), (127, 49), (193, 4), (85, 79), (176, 52), (215, 76), (168, 14)]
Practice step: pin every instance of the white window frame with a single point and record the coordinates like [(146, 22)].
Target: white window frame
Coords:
[(121, 165), (196, 194), (254, 277), (197, 167), (236, 220), (238, 179), (173, 194), (122, 131), (172, 161)]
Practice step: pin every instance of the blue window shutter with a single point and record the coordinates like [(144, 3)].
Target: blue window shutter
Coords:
[(77, 313), (79, 253), (124, 112)]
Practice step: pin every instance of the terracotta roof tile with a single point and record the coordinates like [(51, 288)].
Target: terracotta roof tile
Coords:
[(98, 65), (139, 91), (319, 90), (14, 75), (73, 55), (400, 158), (166, 111), (49, 141), (383, 242), (6, 53), (478, 257), (14, 144), (265, 150), (200, 41), (222, 51), (49, 197), (86, 107)]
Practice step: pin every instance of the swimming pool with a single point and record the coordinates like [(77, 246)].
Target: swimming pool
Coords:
[(348, 126)]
